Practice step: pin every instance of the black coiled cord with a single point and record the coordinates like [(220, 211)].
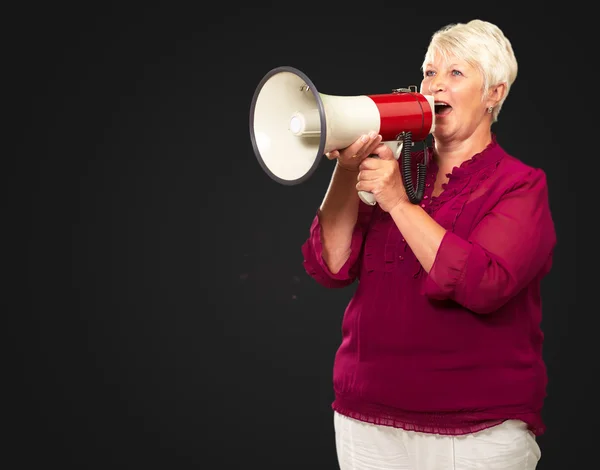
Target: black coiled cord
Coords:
[(413, 196)]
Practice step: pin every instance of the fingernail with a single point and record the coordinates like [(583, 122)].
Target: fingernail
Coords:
[(364, 138), (372, 134)]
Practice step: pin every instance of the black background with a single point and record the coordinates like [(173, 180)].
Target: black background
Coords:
[(161, 314)]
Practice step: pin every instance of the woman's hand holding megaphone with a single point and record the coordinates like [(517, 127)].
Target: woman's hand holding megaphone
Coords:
[(351, 157), (381, 177)]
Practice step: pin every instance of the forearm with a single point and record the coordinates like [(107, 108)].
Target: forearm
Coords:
[(338, 215), (423, 234)]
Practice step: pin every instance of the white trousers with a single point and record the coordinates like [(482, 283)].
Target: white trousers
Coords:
[(364, 446)]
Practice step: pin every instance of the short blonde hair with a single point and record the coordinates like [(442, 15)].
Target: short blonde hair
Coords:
[(482, 45)]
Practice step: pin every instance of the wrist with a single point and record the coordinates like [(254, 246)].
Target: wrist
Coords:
[(401, 208)]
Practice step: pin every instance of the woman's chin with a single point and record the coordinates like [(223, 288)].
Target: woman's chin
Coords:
[(441, 133)]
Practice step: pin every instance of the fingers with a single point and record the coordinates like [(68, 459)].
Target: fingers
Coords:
[(374, 169), (354, 149), (368, 175), (371, 147), (364, 145), (356, 152), (371, 186), (372, 163), (384, 152), (359, 148)]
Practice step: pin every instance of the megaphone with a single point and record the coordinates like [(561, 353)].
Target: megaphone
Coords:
[(292, 126)]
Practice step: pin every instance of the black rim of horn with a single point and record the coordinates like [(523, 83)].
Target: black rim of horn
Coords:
[(323, 136)]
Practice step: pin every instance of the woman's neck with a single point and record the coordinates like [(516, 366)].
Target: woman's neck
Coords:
[(452, 153)]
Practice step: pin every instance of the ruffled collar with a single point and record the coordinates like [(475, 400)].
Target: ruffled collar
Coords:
[(468, 175)]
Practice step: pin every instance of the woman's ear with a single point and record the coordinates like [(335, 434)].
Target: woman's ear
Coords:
[(495, 95)]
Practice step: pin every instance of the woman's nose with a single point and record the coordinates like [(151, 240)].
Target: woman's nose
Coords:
[(435, 85)]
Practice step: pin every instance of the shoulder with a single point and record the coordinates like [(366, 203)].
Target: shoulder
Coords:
[(513, 173)]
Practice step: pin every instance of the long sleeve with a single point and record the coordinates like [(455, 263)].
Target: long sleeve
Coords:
[(509, 247), (312, 250)]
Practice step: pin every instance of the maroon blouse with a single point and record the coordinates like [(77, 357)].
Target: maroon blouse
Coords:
[(459, 349)]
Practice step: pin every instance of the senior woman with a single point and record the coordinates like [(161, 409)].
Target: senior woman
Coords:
[(440, 364)]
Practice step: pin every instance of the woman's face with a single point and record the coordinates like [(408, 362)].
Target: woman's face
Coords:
[(457, 87)]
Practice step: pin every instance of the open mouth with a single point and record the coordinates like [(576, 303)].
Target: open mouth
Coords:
[(441, 108)]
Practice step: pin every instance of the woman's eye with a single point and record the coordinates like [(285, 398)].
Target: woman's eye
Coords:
[(456, 72)]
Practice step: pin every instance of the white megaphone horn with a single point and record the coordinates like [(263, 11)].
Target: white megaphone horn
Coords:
[(292, 126)]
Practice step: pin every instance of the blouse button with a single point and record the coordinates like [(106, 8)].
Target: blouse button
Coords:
[(427, 184), (423, 206), (425, 197), (400, 257)]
